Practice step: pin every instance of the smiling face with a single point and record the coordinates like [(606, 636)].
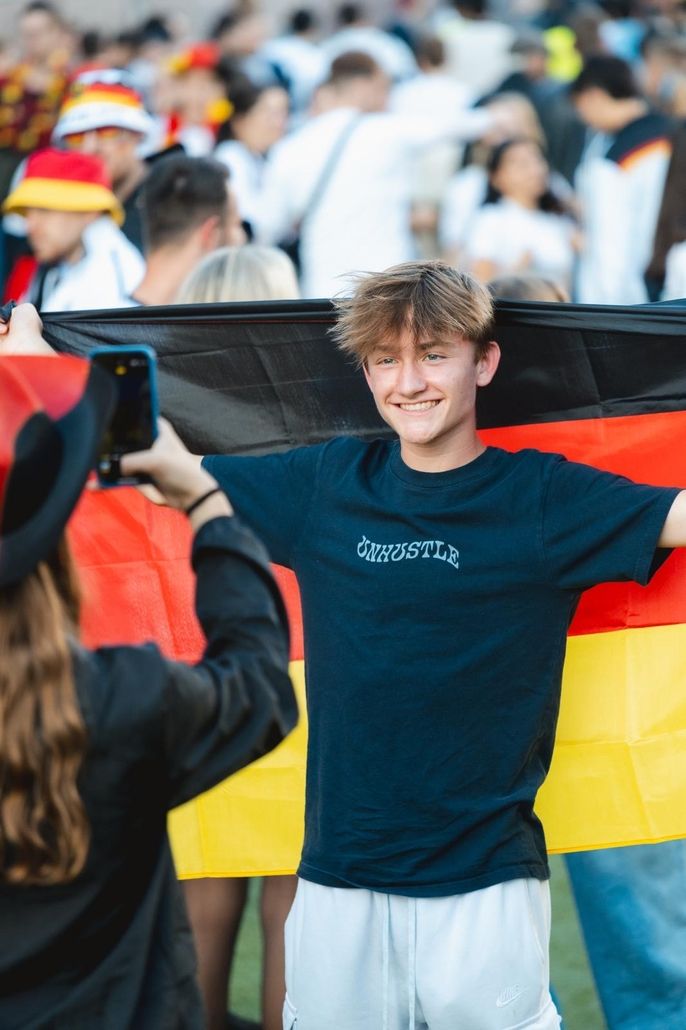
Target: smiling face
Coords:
[(522, 173), (426, 391)]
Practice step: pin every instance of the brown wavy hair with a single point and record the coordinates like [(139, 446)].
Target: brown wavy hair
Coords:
[(428, 297), (44, 829)]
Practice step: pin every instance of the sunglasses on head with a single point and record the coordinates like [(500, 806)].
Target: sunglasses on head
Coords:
[(75, 140)]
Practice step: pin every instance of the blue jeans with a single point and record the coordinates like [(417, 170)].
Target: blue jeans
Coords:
[(632, 909)]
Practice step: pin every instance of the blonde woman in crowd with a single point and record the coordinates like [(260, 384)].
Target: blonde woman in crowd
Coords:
[(526, 287), (241, 274), (216, 902)]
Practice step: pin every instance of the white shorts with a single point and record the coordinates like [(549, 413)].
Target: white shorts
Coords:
[(362, 960)]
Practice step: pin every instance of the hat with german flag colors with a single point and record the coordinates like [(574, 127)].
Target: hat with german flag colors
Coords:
[(101, 105), (53, 412), (203, 55), (64, 181)]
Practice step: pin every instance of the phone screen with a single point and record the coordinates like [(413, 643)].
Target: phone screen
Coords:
[(133, 425)]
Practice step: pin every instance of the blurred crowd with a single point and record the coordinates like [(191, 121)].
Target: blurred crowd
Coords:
[(531, 137)]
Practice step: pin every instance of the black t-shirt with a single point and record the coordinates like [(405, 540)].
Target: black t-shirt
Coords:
[(436, 607)]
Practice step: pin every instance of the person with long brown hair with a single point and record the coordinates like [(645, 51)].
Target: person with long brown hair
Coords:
[(522, 225), (96, 746)]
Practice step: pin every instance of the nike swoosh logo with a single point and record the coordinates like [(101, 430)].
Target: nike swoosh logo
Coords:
[(509, 995)]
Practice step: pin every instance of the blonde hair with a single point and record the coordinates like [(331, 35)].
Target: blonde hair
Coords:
[(515, 110), (44, 828), (242, 274), (426, 297), (528, 287), (524, 120)]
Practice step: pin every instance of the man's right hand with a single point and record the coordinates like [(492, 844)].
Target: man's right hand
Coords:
[(178, 476)]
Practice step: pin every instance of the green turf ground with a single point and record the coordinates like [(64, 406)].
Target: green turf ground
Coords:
[(570, 972)]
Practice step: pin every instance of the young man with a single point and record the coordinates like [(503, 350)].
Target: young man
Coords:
[(102, 115), (438, 578), (72, 223), (187, 211)]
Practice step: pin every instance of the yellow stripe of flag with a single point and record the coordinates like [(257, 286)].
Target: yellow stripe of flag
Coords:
[(618, 774)]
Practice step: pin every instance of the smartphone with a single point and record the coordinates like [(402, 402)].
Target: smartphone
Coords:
[(133, 426)]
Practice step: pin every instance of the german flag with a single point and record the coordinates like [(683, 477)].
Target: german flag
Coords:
[(602, 385)]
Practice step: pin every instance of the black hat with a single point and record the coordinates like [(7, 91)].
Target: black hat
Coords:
[(53, 412)]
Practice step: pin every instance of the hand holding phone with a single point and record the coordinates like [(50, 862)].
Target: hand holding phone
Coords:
[(133, 426), (178, 475)]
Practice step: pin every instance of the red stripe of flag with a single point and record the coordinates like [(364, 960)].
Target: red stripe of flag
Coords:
[(133, 558), (645, 448)]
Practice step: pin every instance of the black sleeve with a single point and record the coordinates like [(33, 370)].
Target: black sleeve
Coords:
[(599, 528), (274, 494), (237, 703)]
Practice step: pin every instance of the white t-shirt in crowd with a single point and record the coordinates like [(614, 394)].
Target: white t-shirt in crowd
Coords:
[(301, 62), (362, 222), (421, 97), (246, 170), (477, 51), (516, 238), (428, 92), (463, 198)]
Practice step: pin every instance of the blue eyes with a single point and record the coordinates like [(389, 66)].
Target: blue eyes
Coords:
[(430, 357)]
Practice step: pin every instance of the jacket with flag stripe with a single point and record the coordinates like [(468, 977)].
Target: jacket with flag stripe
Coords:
[(620, 183)]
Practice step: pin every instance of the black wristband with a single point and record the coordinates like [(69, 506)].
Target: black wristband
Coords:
[(201, 500)]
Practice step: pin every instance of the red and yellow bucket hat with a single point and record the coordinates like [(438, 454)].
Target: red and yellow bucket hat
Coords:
[(64, 181)]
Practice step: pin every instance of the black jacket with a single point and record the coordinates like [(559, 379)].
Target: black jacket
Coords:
[(113, 950)]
